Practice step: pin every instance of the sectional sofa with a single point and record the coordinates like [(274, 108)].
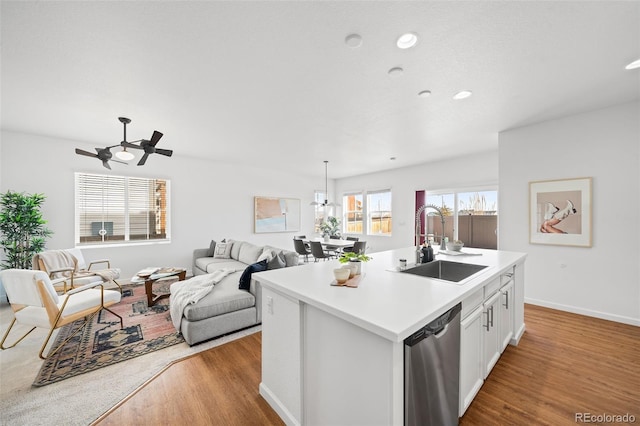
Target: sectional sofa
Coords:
[(228, 308)]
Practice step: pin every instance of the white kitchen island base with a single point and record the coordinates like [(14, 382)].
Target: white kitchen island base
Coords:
[(334, 355)]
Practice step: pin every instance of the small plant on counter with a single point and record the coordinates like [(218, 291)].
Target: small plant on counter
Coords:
[(351, 256)]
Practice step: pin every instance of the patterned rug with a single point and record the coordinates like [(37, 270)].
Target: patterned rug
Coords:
[(103, 343)]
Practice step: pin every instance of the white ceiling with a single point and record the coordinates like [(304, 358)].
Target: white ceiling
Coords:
[(272, 83)]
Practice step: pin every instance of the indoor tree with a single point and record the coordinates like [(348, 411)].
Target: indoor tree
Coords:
[(22, 228)]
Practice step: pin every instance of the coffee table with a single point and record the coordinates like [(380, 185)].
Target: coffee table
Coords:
[(151, 275)]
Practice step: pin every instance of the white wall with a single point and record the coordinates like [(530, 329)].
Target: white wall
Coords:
[(601, 281), (469, 172), (209, 200)]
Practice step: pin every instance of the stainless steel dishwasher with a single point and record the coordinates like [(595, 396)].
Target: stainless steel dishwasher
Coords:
[(432, 372)]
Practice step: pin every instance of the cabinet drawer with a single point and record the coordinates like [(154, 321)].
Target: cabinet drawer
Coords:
[(492, 287), (507, 276), (472, 302)]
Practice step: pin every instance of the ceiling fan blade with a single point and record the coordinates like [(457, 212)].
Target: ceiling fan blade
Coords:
[(167, 152), (88, 154), (155, 138), (106, 164), (143, 159), (119, 161), (130, 145)]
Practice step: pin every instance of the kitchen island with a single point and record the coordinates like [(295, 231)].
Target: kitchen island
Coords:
[(335, 355)]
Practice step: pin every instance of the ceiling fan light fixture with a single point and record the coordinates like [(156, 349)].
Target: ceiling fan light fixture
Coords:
[(124, 155)]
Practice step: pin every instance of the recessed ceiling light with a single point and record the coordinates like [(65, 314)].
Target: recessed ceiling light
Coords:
[(633, 65), (395, 72), (425, 93), (353, 40), (407, 40), (462, 94)]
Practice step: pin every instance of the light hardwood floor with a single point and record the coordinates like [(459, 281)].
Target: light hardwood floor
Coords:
[(565, 365)]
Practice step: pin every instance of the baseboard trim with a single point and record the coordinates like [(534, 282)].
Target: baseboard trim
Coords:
[(277, 406), (582, 311)]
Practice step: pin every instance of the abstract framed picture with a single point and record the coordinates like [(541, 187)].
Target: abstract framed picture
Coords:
[(560, 212), (274, 214)]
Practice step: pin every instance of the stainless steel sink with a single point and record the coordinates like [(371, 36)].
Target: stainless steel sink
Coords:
[(445, 270)]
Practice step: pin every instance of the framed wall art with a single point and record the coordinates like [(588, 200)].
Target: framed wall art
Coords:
[(560, 212), (273, 214)]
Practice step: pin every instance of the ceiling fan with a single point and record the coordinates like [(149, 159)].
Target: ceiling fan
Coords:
[(103, 155), (149, 147)]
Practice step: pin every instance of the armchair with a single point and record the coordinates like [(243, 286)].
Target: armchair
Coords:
[(35, 303), (70, 265)]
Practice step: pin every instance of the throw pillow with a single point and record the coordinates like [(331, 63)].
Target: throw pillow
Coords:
[(277, 262), (245, 278), (212, 248), (222, 251), (266, 254)]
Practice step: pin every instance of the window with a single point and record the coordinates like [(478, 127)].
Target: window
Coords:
[(470, 216), (379, 213), (352, 213), (116, 209)]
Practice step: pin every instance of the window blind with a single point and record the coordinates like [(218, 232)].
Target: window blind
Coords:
[(111, 209)]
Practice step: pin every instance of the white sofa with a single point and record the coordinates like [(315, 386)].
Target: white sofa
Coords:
[(227, 308)]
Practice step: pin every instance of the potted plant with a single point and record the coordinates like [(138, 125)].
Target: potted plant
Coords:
[(330, 228), (354, 260), (22, 227)]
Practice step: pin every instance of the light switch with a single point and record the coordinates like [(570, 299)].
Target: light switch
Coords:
[(270, 304)]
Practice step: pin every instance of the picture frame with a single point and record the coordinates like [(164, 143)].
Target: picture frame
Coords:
[(276, 214), (560, 212)]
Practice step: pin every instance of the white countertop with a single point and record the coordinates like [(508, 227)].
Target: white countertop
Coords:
[(390, 304)]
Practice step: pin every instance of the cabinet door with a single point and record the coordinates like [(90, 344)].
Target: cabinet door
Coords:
[(471, 371), (491, 325), (506, 314)]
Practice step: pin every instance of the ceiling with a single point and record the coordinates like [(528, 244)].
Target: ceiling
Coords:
[(273, 84)]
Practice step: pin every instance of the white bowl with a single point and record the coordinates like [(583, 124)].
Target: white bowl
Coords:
[(454, 246), (341, 275)]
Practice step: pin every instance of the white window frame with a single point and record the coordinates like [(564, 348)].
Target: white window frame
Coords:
[(369, 211), (456, 201), (125, 212), (345, 212)]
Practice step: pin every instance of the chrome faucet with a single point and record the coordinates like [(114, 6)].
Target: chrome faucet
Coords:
[(421, 209)]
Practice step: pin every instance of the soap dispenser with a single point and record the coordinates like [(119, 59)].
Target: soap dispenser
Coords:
[(427, 253)]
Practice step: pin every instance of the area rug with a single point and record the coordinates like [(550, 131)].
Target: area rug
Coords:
[(103, 343)]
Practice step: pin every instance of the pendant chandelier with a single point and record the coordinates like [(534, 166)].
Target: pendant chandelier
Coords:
[(326, 191)]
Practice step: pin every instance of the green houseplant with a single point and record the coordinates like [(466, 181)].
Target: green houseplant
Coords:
[(331, 227), (355, 261), (22, 228)]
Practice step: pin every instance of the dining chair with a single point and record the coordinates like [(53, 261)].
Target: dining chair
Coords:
[(360, 247), (35, 303), (318, 252), (301, 249), (350, 249)]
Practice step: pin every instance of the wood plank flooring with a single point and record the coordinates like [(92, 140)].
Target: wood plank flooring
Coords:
[(565, 364)]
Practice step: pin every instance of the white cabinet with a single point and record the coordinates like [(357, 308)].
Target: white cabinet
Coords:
[(491, 326), (506, 314), (471, 359)]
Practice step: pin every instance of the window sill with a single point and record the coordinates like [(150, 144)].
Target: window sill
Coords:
[(122, 244)]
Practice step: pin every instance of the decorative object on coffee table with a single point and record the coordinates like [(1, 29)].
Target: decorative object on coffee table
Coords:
[(151, 275)]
